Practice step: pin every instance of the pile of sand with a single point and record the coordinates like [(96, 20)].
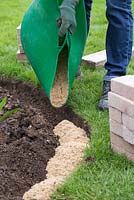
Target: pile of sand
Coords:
[(68, 155)]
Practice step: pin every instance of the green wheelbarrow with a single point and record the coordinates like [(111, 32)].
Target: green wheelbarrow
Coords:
[(55, 60)]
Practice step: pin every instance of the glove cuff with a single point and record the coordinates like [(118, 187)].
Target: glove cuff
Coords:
[(70, 3), (67, 9)]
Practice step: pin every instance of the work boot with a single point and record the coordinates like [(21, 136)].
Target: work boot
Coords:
[(103, 103), (79, 74)]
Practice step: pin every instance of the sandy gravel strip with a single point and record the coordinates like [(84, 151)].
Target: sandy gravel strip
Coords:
[(68, 155)]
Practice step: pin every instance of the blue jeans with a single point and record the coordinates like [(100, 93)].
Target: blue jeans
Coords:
[(88, 5), (119, 35)]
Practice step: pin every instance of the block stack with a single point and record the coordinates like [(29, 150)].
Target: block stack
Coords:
[(121, 112), (20, 53)]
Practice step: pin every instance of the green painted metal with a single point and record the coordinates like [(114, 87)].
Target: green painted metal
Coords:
[(40, 40)]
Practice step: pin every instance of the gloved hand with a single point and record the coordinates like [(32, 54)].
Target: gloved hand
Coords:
[(68, 20)]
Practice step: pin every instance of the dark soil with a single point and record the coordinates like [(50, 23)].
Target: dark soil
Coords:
[(27, 141)]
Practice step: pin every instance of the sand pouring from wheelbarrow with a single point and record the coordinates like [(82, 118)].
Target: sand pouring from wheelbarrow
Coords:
[(54, 60)]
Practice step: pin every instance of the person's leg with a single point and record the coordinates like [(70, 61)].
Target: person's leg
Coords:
[(119, 37), (118, 43), (88, 6)]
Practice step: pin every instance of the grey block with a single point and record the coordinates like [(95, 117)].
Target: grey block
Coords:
[(97, 59)]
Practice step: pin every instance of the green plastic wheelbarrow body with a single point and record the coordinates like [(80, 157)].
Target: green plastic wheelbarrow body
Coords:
[(40, 40)]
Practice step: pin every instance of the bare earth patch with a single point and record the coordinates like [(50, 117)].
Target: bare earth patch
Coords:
[(27, 139)]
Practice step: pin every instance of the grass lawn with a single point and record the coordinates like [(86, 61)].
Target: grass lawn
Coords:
[(110, 177)]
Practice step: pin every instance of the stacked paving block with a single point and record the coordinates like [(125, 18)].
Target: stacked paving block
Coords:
[(121, 113), (97, 59), (20, 53)]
